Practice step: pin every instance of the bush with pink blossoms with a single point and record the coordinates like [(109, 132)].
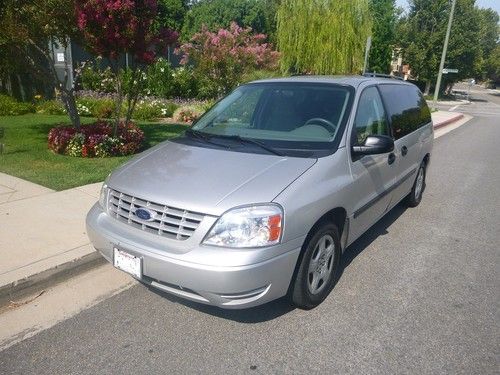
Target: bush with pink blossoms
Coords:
[(220, 59)]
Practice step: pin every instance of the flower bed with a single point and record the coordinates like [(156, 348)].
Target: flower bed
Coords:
[(187, 114), (96, 140)]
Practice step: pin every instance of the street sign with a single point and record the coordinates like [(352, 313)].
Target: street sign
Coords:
[(448, 70)]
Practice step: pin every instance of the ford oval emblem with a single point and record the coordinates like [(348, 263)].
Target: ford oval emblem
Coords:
[(145, 214)]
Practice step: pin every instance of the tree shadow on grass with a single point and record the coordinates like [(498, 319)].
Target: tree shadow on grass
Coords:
[(156, 133), (43, 129), (7, 151)]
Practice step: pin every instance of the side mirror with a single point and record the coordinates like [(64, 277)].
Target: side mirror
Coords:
[(375, 144)]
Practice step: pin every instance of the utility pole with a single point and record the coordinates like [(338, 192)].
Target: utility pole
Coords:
[(443, 55)]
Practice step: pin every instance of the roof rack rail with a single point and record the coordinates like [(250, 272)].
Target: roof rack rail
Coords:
[(379, 75)]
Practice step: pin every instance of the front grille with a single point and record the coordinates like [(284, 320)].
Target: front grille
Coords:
[(168, 221)]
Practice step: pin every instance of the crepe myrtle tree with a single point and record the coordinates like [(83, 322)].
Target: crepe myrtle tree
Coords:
[(223, 57), (111, 28)]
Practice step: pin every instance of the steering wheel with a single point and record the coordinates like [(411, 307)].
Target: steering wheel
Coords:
[(322, 122)]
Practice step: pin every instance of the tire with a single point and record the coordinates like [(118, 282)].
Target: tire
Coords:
[(318, 269), (415, 197)]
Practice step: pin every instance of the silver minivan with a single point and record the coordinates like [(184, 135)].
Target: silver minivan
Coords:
[(262, 195)]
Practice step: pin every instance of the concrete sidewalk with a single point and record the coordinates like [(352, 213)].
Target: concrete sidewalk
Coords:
[(42, 232), (443, 118)]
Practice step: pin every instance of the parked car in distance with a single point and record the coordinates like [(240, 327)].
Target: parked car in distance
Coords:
[(262, 195)]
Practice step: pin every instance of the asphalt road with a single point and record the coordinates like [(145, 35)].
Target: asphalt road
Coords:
[(484, 103), (419, 294)]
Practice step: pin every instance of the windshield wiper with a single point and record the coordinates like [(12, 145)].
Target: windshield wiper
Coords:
[(198, 134), (254, 142), (203, 137)]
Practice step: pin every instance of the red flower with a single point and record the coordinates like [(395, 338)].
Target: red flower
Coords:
[(130, 138)]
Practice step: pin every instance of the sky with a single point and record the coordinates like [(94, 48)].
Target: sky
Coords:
[(494, 4)]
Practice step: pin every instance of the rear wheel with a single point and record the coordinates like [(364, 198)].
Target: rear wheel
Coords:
[(417, 190), (318, 269)]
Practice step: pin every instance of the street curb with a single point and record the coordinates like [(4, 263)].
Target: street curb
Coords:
[(459, 116), (48, 278)]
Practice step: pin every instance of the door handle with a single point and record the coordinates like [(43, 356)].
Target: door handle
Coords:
[(392, 158), (404, 150)]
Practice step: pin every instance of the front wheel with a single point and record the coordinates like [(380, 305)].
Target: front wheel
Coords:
[(417, 190), (318, 269)]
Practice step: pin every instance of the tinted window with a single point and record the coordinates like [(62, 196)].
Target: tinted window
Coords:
[(370, 116), (279, 112), (407, 108)]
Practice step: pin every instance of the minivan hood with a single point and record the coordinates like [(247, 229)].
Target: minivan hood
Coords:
[(206, 180)]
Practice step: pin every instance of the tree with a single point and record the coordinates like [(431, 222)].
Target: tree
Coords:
[(223, 57), (216, 14), (29, 28), (171, 13), (384, 16), (492, 65), (489, 37), (112, 28), (323, 36), (424, 32)]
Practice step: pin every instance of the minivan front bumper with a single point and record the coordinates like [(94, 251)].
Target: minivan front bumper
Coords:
[(230, 287)]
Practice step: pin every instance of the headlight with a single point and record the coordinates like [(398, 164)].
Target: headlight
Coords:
[(253, 226), (103, 197)]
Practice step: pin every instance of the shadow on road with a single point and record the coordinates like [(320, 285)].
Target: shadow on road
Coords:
[(379, 229), (277, 308)]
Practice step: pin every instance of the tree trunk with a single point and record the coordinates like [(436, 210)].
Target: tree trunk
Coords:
[(67, 96), (119, 97), (133, 95), (69, 101), (427, 87)]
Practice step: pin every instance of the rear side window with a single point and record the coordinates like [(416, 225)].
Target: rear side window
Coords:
[(407, 108)]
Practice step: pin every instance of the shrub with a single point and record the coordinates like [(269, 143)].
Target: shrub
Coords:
[(11, 107), (147, 110), (184, 84), (83, 110), (223, 57), (159, 79), (102, 108), (50, 107), (188, 113), (168, 109), (96, 140), (95, 79)]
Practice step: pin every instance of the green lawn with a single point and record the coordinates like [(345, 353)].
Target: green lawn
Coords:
[(26, 154)]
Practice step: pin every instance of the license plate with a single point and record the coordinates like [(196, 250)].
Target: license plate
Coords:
[(127, 262)]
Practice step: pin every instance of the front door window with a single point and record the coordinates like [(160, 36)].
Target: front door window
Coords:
[(370, 117)]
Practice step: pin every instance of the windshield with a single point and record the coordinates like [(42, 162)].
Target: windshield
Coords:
[(288, 114)]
